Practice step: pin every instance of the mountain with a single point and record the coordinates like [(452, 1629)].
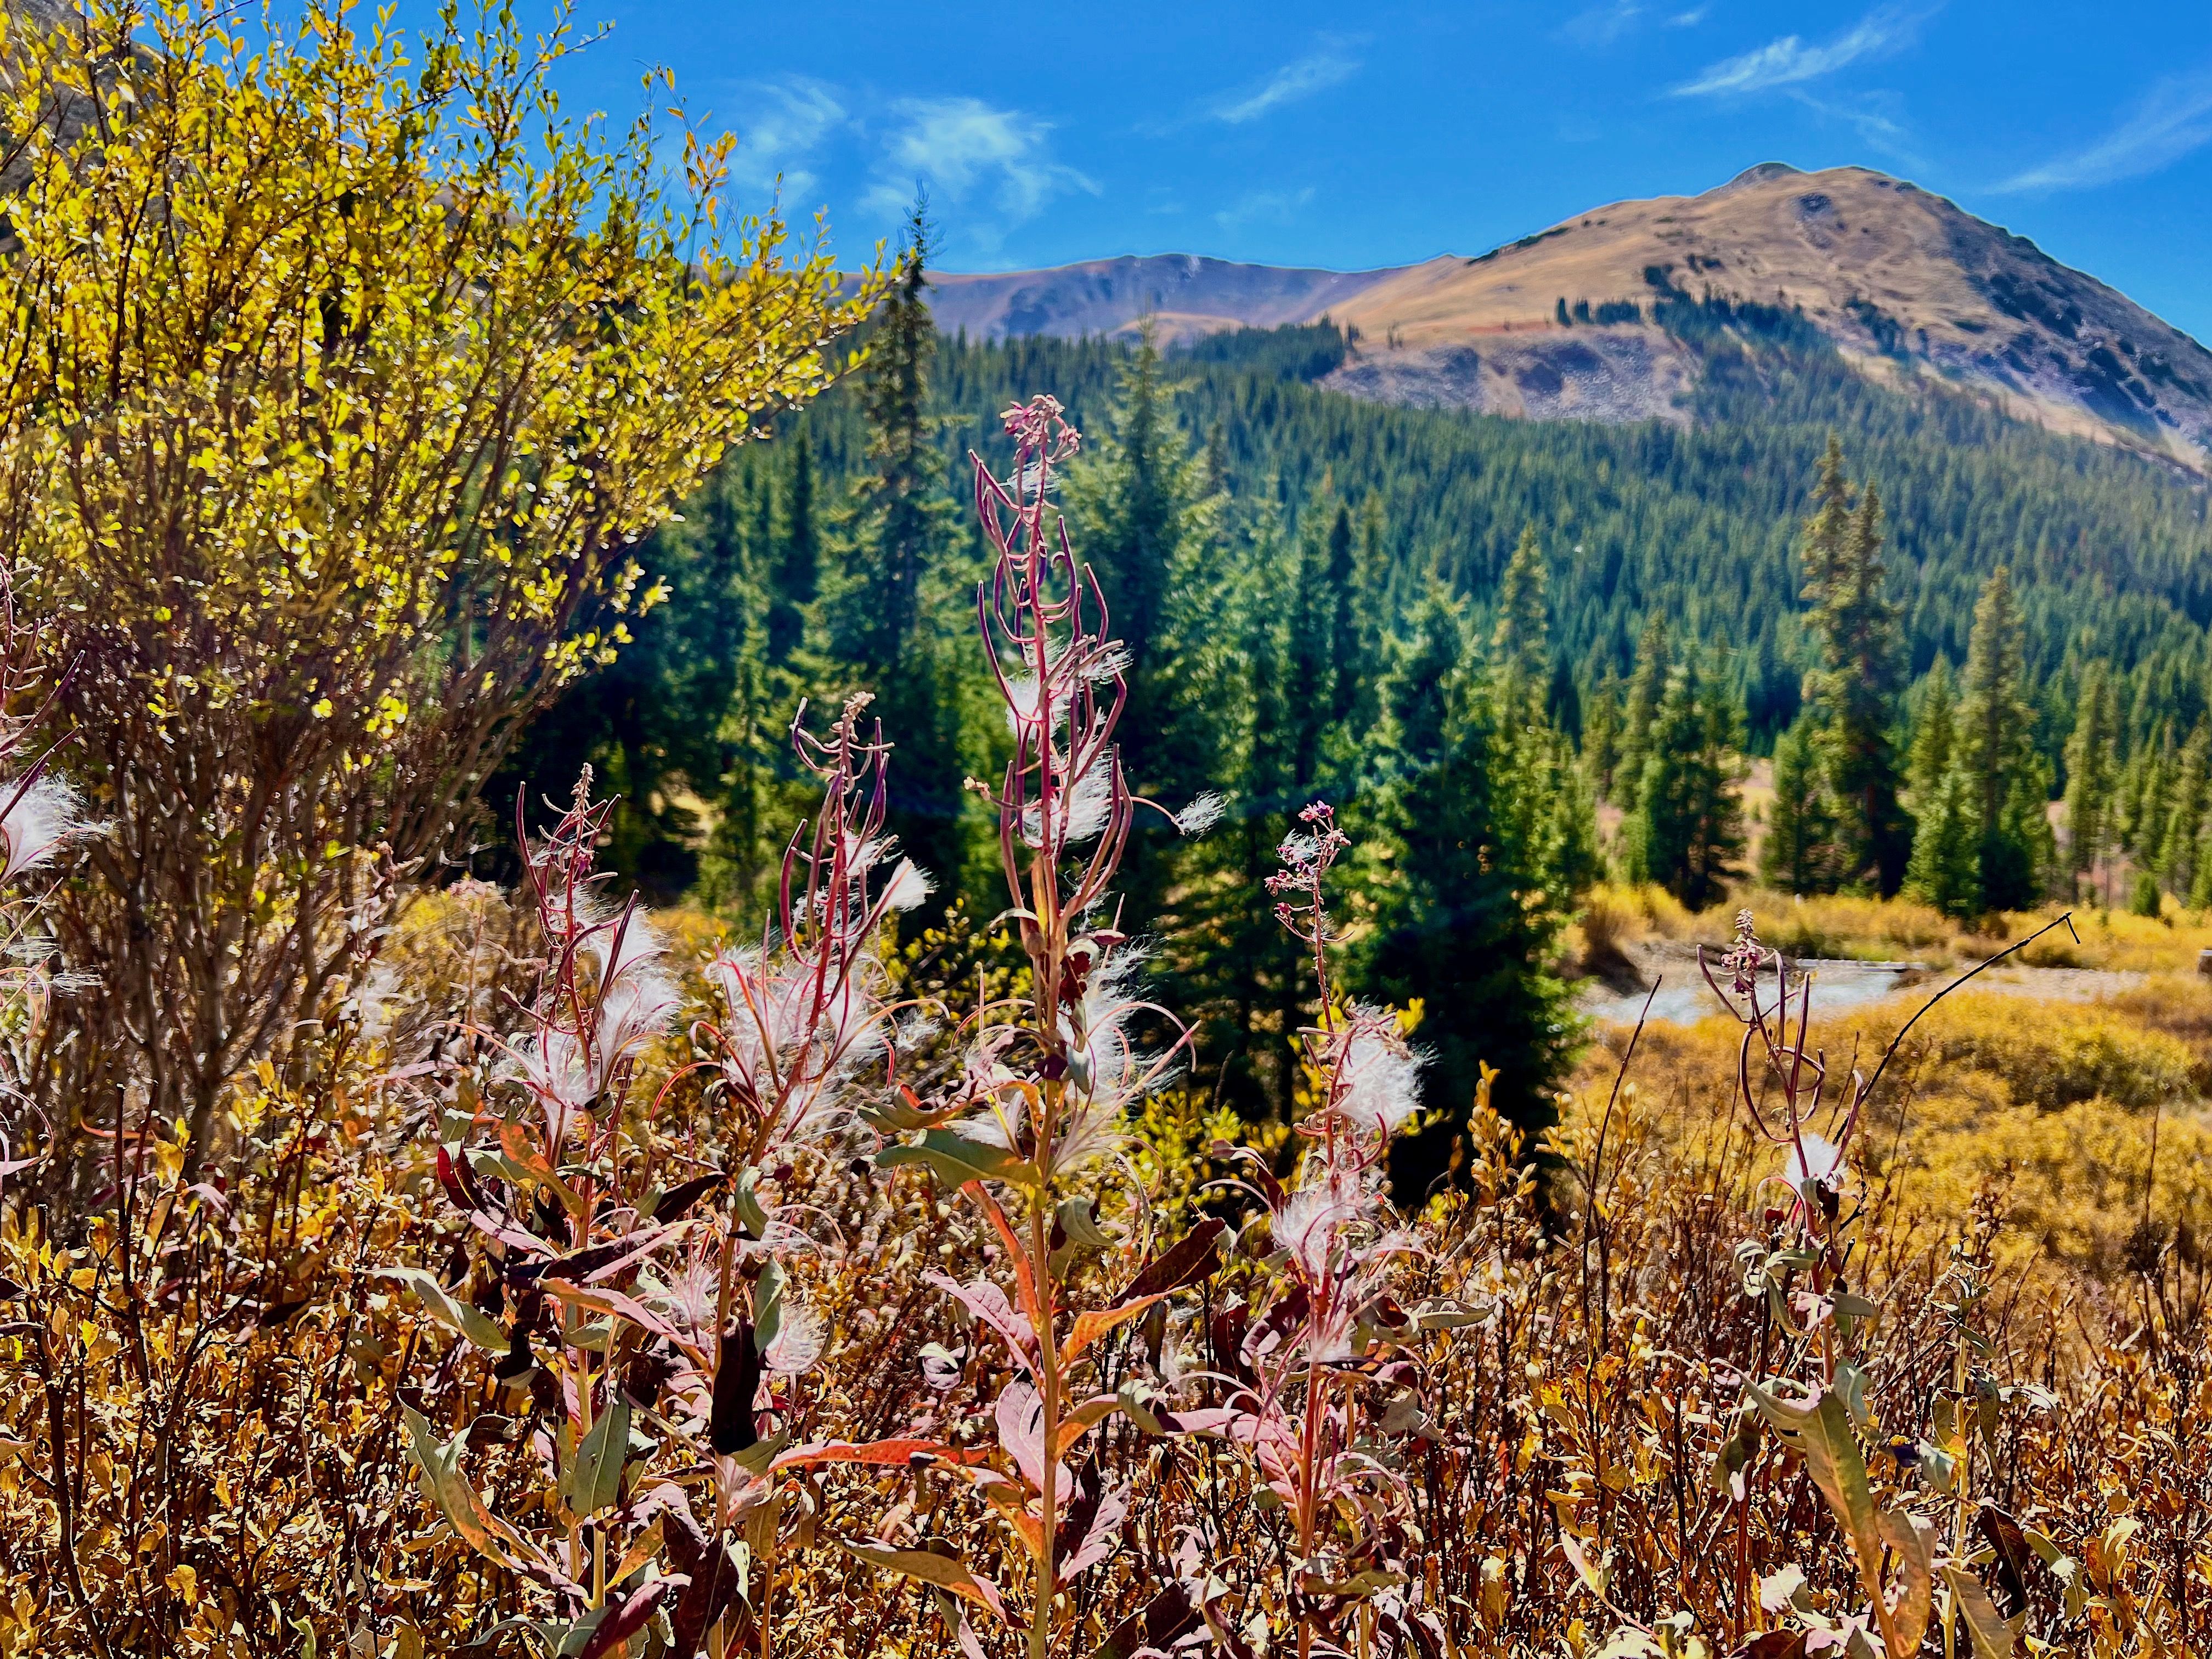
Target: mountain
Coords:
[(1617, 315), (1186, 295)]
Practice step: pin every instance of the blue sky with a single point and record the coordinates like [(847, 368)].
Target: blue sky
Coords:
[(1359, 136)]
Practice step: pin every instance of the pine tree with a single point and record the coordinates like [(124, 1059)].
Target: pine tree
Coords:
[(1854, 689), (903, 517), (1226, 966), (1686, 833), (1647, 684), (1994, 748), (1602, 731), (2185, 814), (1946, 871), (1797, 855), (1935, 735), (1147, 520), (1315, 604), (897, 537), (1460, 920), (1358, 646), (797, 579), (1548, 820), (1520, 643), (2091, 774), (1346, 647)]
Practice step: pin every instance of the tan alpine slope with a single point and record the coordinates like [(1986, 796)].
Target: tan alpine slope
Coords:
[(1899, 279), (1906, 283)]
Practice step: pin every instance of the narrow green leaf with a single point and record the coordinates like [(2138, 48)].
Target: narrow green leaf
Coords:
[(956, 1160), (1994, 1637), (595, 1475), (471, 1321), (1821, 1432)]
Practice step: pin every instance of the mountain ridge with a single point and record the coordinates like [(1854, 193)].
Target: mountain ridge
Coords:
[(1575, 321)]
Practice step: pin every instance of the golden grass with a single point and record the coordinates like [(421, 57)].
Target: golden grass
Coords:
[(1847, 926), (2054, 1105)]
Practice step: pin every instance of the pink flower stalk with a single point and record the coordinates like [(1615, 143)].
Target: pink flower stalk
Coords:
[(806, 1018), (606, 995), (1337, 1236), (1050, 1075), (42, 814)]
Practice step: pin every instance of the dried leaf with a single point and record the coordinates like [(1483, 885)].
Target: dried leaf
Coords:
[(941, 1570)]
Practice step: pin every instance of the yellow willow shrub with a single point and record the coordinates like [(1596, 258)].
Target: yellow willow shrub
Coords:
[(1840, 924), (2047, 1107), (2115, 940), (343, 369), (2051, 1054)]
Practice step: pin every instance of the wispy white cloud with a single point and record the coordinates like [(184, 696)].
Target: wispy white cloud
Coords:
[(784, 124), (1876, 117), (962, 150), (1274, 206), (2169, 120), (1791, 61), (1690, 19), (1602, 24), (1331, 63)]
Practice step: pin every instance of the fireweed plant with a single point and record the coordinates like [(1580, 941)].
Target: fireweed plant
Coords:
[(1030, 1129), (40, 814), (1325, 1333), (1802, 1270), (635, 1288), (1336, 1431)]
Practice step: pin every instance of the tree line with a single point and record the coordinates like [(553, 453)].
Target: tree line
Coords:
[(1316, 603)]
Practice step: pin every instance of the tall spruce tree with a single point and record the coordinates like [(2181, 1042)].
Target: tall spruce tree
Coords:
[(1997, 753), (1143, 516), (1686, 832), (901, 515), (1347, 649), (1855, 687), (1934, 736), (1797, 855), (1946, 868), (1315, 602), (2185, 815), (797, 579), (2092, 776), (1461, 920), (1647, 684), (898, 534), (1520, 642), (1602, 731)]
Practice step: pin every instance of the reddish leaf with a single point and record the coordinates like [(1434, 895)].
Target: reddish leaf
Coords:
[(631, 1616), (1194, 1257), (1157, 1624), (877, 1454)]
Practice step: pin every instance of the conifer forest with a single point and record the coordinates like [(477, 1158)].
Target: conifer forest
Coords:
[(696, 969)]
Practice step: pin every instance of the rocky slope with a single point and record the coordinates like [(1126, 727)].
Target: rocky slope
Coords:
[(1905, 283), (1185, 295)]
